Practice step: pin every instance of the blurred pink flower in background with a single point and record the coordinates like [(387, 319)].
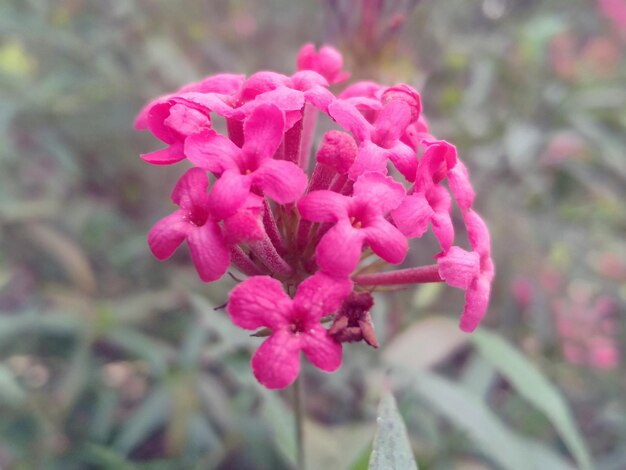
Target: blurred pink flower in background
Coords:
[(588, 330)]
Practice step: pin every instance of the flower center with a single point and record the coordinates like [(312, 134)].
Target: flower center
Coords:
[(197, 217), (356, 222), (297, 325)]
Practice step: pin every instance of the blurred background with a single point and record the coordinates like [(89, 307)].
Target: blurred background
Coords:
[(111, 360)]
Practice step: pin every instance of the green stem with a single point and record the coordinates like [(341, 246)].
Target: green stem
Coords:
[(298, 404)]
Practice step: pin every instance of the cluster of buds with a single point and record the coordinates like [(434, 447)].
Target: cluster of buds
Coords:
[(307, 240)]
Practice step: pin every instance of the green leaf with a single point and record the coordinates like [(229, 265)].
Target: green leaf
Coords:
[(11, 393), (391, 448), (467, 411), (535, 388), (150, 415)]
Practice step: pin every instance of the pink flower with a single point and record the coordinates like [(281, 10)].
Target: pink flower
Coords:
[(472, 271), (295, 323), (197, 222), (258, 218), (379, 142), (358, 219), (250, 167), (328, 62), (429, 202)]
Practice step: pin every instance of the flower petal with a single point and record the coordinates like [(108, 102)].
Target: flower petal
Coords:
[(404, 159), (391, 123), (212, 152), (209, 251), (379, 191), (323, 206), (458, 179), (321, 349), (371, 157), (276, 364), (259, 302), (413, 215), (280, 180), (350, 119), (476, 303), (191, 190), (339, 250), (321, 294), (477, 233), (246, 224), (167, 156), (387, 241), (228, 194), (459, 267), (263, 131), (167, 235)]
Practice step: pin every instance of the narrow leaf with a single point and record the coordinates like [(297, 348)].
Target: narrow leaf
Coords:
[(392, 449), (535, 388)]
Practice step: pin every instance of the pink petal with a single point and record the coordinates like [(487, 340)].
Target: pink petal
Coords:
[(459, 267), (322, 350), (323, 206), (339, 250), (379, 191), (391, 123), (371, 157), (280, 180), (348, 117), (441, 202), (191, 190), (246, 224), (387, 241), (209, 252), (259, 302), (166, 156), (477, 233), (263, 131), (276, 364), (156, 123), (262, 82), (186, 120), (224, 83), (328, 62), (476, 303), (413, 215), (167, 235), (405, 94), (212, 152), (319, 97), (304, 80), (439, 158), (404, 159), (284, 98), (220, 104), (321, 294), (228, 194), (363, 88), (458, 179)]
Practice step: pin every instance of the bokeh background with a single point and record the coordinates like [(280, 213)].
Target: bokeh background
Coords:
[(112, 360)]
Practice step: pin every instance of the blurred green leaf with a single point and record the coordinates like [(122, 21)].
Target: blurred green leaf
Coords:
[(535, 388), (151, 414), (11, 393), (106, 459), (468, 412), (391, 448)]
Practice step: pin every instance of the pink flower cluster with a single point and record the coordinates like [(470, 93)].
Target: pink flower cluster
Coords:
[(305, 239)]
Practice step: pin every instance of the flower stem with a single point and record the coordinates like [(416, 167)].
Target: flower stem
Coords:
[(298, 404), (417, 275)]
